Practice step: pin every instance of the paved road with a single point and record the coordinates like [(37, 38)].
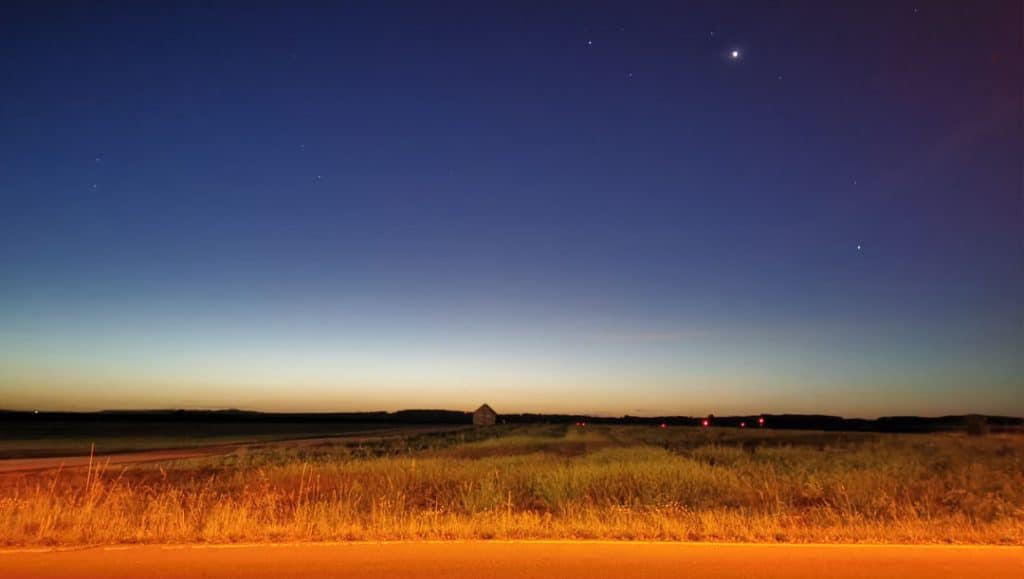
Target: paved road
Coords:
[(501, 560), (16, 465)]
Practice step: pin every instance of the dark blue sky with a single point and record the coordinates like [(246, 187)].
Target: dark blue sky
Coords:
[(582, 207)]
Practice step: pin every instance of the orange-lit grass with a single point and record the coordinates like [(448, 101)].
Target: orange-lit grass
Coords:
[(627, 483)]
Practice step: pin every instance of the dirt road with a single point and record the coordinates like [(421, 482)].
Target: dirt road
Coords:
[(14, 465), (499, 560)]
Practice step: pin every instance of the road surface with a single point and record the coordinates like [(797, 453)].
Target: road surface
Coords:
[(18, 465), (504, 560)]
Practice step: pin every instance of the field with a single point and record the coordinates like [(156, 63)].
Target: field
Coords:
[(546, 482), (32, 439)]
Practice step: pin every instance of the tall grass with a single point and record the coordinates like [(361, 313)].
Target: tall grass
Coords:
[(622, 483)]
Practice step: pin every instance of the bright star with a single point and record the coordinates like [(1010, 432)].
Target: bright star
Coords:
[(735, 54), (858, 247)]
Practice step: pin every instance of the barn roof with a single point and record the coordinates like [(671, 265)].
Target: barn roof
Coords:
[(485, 408)]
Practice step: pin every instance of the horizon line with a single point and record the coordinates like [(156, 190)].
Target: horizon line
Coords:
[(582, 415)]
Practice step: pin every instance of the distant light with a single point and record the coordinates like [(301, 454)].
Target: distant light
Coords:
[(858, 247), (760, 421), (663, 425), (35, 412), (705, 423), (743, 424), (735, 55)]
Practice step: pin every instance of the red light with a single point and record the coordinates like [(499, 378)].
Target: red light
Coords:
[(704, 423), (663, 425), (743, 424), (760, 421)]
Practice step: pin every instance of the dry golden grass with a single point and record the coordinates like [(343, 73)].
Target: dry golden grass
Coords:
[(548, 482)]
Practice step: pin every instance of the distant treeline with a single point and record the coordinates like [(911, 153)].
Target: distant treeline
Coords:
[(789, 422), (780, 421)]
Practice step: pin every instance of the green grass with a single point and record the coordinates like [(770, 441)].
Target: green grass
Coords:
[(62, 439), (549, 482)]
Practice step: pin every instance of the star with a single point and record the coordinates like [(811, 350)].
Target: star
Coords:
[(858, 247), (735, 54), (590, 43)]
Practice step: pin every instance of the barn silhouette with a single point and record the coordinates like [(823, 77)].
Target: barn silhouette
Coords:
[(484, 416)]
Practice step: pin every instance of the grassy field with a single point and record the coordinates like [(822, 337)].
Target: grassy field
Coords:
[(550, 482), (55, 438)]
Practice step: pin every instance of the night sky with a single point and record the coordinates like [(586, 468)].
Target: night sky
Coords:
[(643, 208)]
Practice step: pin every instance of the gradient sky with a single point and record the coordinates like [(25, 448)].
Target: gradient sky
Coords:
[(578, 207)]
